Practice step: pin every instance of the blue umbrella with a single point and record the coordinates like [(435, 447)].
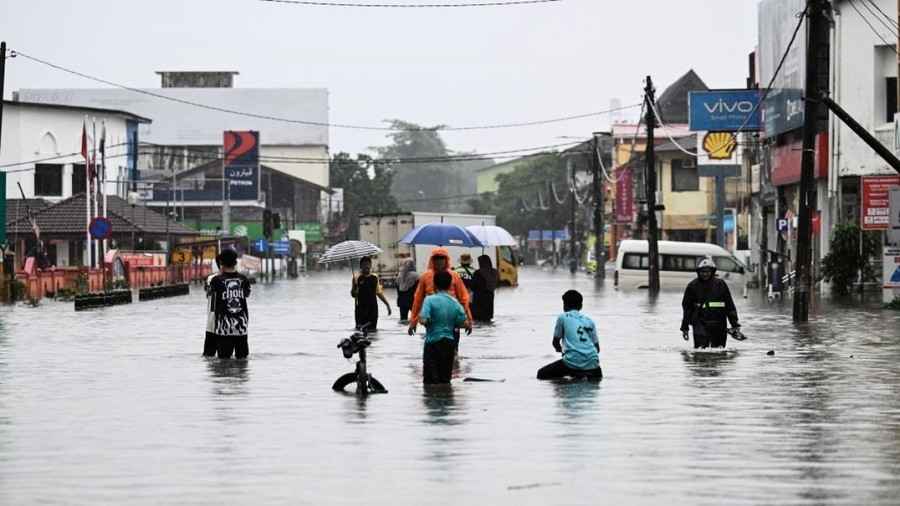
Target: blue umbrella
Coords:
[(441, 234)]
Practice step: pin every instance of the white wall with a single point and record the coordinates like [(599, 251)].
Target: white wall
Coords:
[(862, 62), (34, 133), (315, 172)]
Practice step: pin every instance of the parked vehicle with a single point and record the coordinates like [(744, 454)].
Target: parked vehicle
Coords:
[(386, 230), (677, 264)]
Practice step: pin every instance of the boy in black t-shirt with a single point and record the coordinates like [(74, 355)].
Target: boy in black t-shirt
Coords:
[(228, 292)]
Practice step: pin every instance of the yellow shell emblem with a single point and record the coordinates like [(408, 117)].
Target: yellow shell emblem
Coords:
[(719, 145)]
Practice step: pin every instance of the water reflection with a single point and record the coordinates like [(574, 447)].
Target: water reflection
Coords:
[(228, 375), (576, 397), (708, 363)]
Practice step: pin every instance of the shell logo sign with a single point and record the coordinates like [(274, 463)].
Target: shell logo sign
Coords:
[(719, 145)]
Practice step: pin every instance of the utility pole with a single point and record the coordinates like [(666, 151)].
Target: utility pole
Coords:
[(816, 51), (599, 194), (573, 256), (650, 185)]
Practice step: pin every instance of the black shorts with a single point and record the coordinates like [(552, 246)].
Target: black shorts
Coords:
[(437, 362), (236, 345), (559, 369)]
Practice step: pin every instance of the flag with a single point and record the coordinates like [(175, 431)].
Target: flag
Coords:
[(84, 149), (103, 140)]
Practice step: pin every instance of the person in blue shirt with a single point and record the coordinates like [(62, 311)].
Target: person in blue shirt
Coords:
[(441, 314), (575, 336)]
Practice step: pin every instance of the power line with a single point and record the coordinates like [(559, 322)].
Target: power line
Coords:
[(890, 24), (318, 3), (872, 28), (424, 159), (886, 16), (765, 95), (315, 123)]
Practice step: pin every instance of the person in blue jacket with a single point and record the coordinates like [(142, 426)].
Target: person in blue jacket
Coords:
[(575, 336)]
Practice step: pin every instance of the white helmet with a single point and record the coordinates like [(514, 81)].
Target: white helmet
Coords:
[(706, 263)]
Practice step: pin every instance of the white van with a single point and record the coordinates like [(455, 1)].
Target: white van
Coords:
[(677, 264)]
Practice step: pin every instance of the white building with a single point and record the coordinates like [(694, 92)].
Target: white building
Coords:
[(294, 142), (41, 148), (864, 82)]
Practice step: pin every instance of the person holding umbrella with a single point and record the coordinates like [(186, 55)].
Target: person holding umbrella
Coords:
[(365, 289)]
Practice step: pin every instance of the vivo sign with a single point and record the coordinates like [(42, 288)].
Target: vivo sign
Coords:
[(724, 110)]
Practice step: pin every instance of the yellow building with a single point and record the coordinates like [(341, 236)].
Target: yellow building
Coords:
[(689, 199)]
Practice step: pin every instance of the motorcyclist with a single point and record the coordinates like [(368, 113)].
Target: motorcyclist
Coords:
[(708, 307)]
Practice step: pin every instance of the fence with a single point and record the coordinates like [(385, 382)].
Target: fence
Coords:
[(50, 282)]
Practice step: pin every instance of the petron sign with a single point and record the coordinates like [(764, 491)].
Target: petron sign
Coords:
[(724, 110), (241, 164)]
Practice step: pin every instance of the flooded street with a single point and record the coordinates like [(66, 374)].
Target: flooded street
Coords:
[(117, 406)]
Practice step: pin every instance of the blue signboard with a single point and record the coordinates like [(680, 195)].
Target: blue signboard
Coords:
[(548, 235), (282, 247), (260, 245), (724, 110), (242, 165), (783, 111)]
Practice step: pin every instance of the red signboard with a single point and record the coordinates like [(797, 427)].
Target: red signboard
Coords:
[(876, 201), (786, 161), (624, 195)]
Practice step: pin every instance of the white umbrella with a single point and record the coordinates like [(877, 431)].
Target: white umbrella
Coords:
[(349, 250), (490, 235)]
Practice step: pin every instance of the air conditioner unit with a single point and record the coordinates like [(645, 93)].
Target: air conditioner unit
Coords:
[(689, 163)]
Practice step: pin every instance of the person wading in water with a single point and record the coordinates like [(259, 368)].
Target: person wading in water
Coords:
[(707, 306)]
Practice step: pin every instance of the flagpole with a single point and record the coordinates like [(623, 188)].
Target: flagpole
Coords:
[(94, 184), (87, 195), (103, 177)]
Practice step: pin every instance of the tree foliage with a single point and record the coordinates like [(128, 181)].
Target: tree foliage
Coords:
[(434, 183), (367, 190), (522, 192), (843, 263)]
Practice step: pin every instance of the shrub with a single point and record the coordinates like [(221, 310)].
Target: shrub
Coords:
[(842, 265)]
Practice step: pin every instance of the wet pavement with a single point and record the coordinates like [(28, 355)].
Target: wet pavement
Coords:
[(117, 406)]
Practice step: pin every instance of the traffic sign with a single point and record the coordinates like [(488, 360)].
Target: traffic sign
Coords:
[(282, 247), (100, 228), (261, 245)]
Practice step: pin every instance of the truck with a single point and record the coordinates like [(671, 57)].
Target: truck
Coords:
[(386, 230)]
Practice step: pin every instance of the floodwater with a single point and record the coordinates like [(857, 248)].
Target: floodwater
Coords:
[(116, 406)]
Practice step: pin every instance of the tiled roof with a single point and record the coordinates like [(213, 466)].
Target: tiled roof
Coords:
[(69, 217), (18, 208)]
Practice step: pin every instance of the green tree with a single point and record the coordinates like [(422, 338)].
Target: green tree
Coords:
[(425, 179), (843, 263), (367, 190)]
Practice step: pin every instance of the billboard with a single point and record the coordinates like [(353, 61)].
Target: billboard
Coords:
[(876, 201), (242, 164), (624, 195), (783, 107), (724, 110)]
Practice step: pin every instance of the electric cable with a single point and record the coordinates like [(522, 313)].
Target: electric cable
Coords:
[(886, 16), (891, 27), (872, 28), (668, 134), (802, 15), (316, 123), (322, 3)]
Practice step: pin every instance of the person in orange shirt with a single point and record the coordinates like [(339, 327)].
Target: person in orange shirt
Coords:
[(439, 261)]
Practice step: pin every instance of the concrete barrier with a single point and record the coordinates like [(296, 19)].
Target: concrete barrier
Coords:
[(158, 292), (102, 299)]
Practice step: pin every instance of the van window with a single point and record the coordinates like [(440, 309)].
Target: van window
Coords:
[(726, 264), (506, 253), (635, 261), (679, 263)]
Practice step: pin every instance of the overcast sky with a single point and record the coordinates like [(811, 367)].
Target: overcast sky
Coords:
[(431, 66)]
